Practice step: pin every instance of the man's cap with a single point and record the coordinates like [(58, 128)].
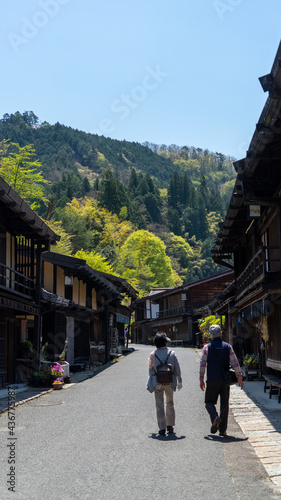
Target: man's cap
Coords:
[(214, 331)]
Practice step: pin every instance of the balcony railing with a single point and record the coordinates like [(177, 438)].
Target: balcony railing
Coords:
[(16, 282), (265, 261), (171, 312)]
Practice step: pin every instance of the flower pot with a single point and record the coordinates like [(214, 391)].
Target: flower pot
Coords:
[(57, 386)]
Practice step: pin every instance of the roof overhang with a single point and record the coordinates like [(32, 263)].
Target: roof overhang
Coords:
[(78, 267), (258, 174), (21, 220), (227, 275)]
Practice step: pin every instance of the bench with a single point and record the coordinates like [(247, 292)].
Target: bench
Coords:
[(274, 385), (175, 343), (251, 373)]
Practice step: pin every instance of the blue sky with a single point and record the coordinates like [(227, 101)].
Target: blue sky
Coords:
[(169, 72)]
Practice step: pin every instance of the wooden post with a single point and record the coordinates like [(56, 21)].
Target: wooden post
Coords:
[(106, 330), (37, 319)]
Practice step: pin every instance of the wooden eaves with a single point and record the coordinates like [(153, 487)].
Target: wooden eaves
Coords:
[(258, 174), (187, 287), (19, 217), (121, 284), (78, 267)]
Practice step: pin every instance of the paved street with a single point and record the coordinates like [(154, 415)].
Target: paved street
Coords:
[(98, 440)]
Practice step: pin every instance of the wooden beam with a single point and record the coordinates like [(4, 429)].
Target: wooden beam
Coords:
[(266, 202), (264, 156), (13, 215)]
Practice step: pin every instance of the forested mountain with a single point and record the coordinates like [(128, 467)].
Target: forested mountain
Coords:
[(102, 191)]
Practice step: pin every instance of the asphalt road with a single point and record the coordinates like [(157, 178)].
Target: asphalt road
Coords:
[(98, 440)]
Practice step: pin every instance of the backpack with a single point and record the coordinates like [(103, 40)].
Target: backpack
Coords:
[(164, 371)]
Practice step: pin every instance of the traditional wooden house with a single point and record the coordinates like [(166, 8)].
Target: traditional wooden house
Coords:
[(24, 236), (176, 310), (120, 313), (83, 306), (249, 239), (80, 305)]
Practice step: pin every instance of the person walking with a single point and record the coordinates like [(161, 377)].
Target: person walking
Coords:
[(166, 420), (216, 356)]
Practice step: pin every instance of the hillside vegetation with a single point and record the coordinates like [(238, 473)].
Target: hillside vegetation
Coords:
[(146, 212)]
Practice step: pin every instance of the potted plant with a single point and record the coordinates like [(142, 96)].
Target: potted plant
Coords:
[(57, 371), (57, 384), (251, 361)]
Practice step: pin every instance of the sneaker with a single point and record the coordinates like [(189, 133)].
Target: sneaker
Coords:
[(215, 425), (162, 432), (222, 434), (170, 429)]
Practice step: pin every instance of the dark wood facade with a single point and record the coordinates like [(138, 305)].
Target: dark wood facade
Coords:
[(176, 310), (81, 305), (249, 239), (24, 236), (48, 297)]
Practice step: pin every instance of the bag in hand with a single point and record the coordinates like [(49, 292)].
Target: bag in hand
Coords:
[(230, 377)]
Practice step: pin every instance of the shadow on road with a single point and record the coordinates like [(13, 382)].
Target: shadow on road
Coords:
[(225, 439), (169, 437)]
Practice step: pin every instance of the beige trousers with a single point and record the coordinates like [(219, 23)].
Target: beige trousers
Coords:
[(169, 418)]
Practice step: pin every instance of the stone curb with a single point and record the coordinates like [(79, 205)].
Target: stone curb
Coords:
[(261, 429)]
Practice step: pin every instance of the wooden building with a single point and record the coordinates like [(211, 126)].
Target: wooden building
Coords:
[(176, 310), (249, 239), (75, 302), (24, 236), (48, 297), (119, 313)]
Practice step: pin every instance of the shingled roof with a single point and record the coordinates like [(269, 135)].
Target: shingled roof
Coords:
[(19, 217)]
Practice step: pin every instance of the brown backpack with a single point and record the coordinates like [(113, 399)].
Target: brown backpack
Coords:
[(164, 371)]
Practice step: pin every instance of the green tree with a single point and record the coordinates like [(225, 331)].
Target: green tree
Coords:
[(95, 261), (20, 171), (142, 260), (79, 220), (178, 248), (174, 191), (64, 245), (174, 219), (152, 206), (133, 182), (185, 190), (112, 194)]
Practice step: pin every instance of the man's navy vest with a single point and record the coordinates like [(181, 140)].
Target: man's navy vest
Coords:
[(214, 370)]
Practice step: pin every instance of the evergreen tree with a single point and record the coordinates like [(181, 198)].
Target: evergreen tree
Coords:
[(112, 194), (185, 191), (152, 205), (174, 192), (133, 183), (86, 185), (175, 223)]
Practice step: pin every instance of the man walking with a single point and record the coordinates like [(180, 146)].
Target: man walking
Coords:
[(217, 356)]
